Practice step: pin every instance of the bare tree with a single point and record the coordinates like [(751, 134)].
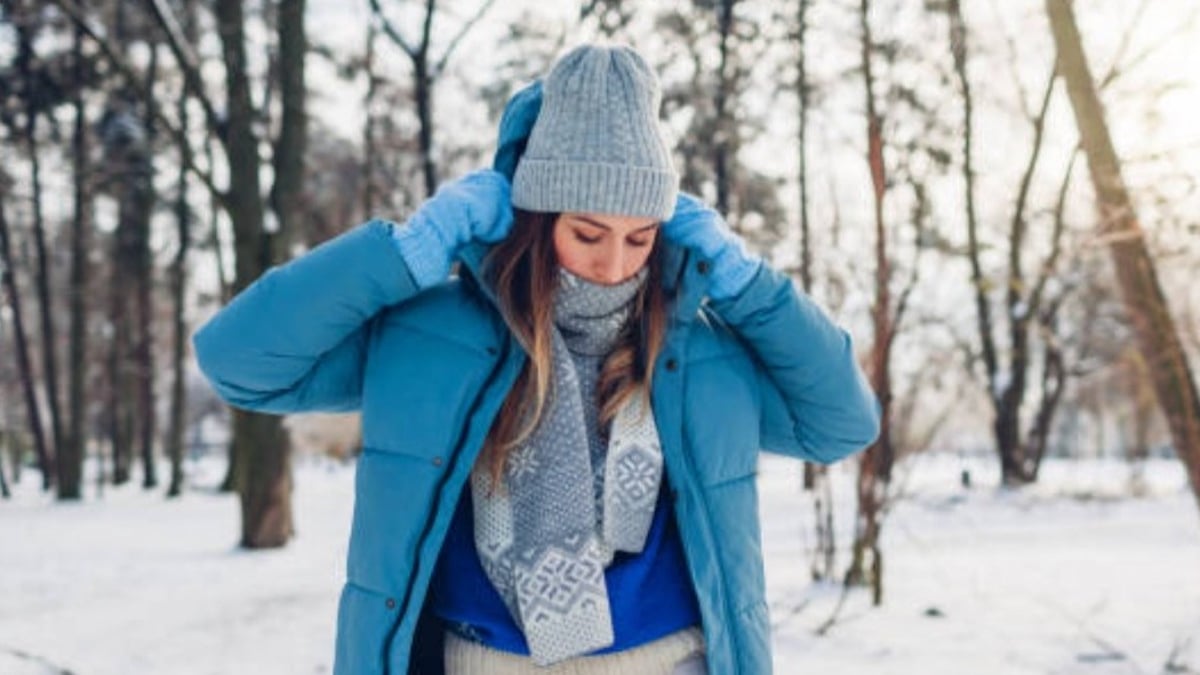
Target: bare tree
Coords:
[(71, 455), (713, 102), (259, 451), (897, 118), (127, 140), (263, 451), (291, 145), (370, 69), (816, 476), (9, 278), (1007, 385), (427, 69), (36, 96), (723, 144), (143, 270), (804, 92), (1153, 325), (179, 280), (875, 465)]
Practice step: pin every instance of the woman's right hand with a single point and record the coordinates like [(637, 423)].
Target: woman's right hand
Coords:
[(475, 206)]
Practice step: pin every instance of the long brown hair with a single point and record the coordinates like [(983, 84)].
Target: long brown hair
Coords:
[(523, 268)]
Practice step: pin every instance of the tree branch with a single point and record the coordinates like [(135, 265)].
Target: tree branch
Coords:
[(1051, 261), (1123, 46), (1016, 235), (441, 64), (391, 30), (127, 71), (187, 61)]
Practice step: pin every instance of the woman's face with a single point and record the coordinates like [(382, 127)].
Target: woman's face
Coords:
[(603, 248)]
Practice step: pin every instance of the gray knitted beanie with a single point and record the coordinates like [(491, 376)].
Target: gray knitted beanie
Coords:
[(597, 145)]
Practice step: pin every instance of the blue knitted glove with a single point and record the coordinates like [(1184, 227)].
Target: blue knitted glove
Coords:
[(475, 206), (699, 226)]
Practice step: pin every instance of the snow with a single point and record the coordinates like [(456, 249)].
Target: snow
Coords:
[(135, 583), (1067, 576)]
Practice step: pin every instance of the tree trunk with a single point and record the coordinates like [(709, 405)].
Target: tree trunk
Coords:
[(875, 466), (178, 419), (127, 152), (997, 384), (9, 277), (215, 207), (1021, 307), (33, 109), (127, 161), (290, 146), (71, 456), (1154, 327), (369, 154), (423, 93), (147, 416), (1054, 376), (1054, 370), (816, 476), (261, 447), (120, 391), (722, 146), (803, 89), (178, 414)]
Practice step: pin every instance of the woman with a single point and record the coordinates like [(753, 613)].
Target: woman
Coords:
[(560, 442)]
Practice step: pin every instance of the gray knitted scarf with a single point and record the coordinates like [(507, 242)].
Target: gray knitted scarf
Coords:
[(570, 498)]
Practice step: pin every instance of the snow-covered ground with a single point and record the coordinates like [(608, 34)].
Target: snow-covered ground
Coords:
[(1069, 576)]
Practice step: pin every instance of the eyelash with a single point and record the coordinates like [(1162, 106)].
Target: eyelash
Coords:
[(593, 240)]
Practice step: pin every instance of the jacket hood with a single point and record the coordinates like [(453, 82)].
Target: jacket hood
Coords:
[(680, 275)]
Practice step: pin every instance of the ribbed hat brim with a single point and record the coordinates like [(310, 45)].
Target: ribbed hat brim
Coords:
[(590, 187)]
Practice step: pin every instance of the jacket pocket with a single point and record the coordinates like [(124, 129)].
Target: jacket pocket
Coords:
[(365, 621), (394, 497)]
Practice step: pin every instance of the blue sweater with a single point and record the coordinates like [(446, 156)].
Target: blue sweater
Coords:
[(650, 593)]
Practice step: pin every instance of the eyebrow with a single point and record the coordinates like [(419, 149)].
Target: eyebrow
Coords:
[(601, 225)]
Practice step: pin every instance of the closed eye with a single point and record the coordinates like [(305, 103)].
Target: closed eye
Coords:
[(586, 239), (579, 236)]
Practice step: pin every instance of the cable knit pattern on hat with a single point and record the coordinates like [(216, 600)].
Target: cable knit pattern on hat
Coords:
[(597, 145)]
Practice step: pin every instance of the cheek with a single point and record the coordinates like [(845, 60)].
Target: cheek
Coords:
[(638, 257), (571, 255)]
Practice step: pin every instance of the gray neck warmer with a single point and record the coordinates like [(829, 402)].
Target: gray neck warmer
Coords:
[(569, 500)]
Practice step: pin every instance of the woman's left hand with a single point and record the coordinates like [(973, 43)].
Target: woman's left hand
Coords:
[(699, 226)]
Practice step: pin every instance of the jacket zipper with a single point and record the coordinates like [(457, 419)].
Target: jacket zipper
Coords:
[(433, 512)]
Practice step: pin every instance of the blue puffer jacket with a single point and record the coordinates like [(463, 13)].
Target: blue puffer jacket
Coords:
[(344, 328)]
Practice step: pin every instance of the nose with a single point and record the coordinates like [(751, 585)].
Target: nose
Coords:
[(612, 266)]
